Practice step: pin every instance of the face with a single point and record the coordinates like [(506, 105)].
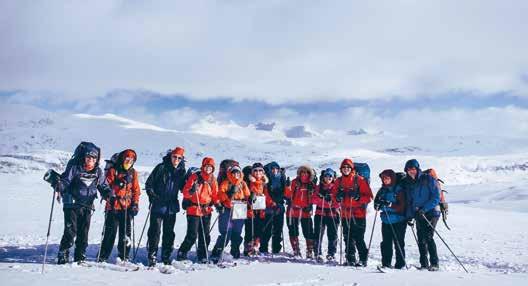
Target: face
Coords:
[(275, 171), (89, 163), (208, 169), (386, 180), (237, 175), (128, 162), (346, 170), (327, 179), (304, 175), (412, 172), (176, 159), (258, 173)]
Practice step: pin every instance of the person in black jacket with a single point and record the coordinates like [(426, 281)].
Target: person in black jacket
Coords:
[(162, 188), (78, 187)]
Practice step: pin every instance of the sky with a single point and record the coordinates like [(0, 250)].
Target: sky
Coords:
[(311, 63)]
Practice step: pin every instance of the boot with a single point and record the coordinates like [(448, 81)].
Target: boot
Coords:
[(215, 255), (309, 249), (182, 255), (63, 257), (152, 259), (351, 260), (434, 267), (294, 240), (80, 257), (256, 246), (247, 248), (165, 256)]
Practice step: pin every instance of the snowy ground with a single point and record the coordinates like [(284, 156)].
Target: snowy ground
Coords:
[(487, 180)]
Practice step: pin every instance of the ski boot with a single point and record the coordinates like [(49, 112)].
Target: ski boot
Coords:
[(434, 267), (294, 240), (152, 259), (309, 249), (63, 257), (181, 255), (165, 256)]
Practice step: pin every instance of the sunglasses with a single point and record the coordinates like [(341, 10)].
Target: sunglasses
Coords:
[(177, 158), (258, 171), (346, 167)]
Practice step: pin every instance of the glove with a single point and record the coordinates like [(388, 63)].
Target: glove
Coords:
[(153, 197), (279, 209), (288, 182), (134, 209), (377, 206), (105, 191), (328, 198), (186, 204), (308, 208), (410, 222), (232, 190), (252, 198), (194, 189), (356, 196), (219, 208), (340, 195), (287, 201), (420, 213)]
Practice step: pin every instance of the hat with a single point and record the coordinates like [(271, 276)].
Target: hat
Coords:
[(234, 168), (178, 151), (413, 163), (257, 166)]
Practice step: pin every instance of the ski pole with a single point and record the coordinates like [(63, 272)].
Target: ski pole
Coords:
[(214, 222), (372, 232), (125, 236), (142, 232), (320, 233), (102, 236), (445, 243), (341, 238), (49, 230), (133, 236), (414, 234), (400, 249), (202, 226)]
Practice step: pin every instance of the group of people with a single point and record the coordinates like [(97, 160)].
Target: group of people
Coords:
[(256, 200)]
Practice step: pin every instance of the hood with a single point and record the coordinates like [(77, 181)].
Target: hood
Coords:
[(413, 163), (232, 178), (388, 173), (310, 171), (347, 162), (208, 161)]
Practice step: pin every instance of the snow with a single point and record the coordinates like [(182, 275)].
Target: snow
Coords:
[(487, 183)]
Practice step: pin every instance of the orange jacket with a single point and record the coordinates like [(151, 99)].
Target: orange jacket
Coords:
[(241, 194), (126, 195), (350, 186), (259, 188), (300, 195), (205, 196)]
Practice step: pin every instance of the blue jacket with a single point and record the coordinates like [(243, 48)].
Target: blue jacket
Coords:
[(165, 182), (396, 212), (78, 187), (422, 193)]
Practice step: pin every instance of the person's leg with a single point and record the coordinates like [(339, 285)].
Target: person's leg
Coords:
[(84, 218), (431, 245), (400, 229), (193, 223), (358, 233), (308, 233), (68, 236), (422, 232), (293, 231), (386, 245), (167, 243), (248, 238), (236, 237), (278, 225), (153, 235), (332, 224), (266, 233), (203, 243), (318, 234), (111, 224)]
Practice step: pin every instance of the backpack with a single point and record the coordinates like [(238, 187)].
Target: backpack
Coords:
[(363, 170), (224, 166), (247, 172), (444, 206), (112, 163), (77, 158)]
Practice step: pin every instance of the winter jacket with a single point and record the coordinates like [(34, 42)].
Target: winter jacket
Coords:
[(396, 211), (300, 195), (323, 207), (276, 187), (258, 188), (352, 187), (422, 193), (124, 184), (78, 187), (205, 196), (241, 190), (165, 182)]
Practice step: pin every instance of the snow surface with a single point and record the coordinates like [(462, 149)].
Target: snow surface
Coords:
[(487, 180)]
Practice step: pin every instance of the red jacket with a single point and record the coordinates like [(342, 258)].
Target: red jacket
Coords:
[(350, 186), (241, 195), (324, 208), (127, 195), (205, 196), (300, 195)]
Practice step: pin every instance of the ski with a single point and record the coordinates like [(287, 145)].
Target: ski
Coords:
[(114, 267)]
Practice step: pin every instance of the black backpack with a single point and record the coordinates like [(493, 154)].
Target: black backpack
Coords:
[(77, 158), (224, 166)]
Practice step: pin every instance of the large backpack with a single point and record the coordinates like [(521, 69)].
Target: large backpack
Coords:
[(77, 158), (363, 170), (224, 166), (111, 163), (444, 206)]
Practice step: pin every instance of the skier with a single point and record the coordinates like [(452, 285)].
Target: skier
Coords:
[(78, 187), (233, 190), (326, 214), (258, 184), (274, 214), (299, 200), (200, 193), (390, 200), (423, 198), (353, 194), (121, 205), (162, 188)]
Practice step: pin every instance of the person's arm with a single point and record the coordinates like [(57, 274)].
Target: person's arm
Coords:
[(434, 195), (136, 189)]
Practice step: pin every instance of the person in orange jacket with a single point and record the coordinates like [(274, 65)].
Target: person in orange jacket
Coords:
[(232, 190), (200, 193), (326, 214), (299, 201), (353, 195), (258, 185), (121, 205)]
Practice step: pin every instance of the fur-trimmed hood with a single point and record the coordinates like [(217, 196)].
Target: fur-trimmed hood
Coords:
[(307, 168)]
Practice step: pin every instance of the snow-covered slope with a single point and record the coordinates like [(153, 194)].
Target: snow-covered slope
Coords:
[(487, 180)]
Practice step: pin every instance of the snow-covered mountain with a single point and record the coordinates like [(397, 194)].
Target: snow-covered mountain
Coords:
[(487, 180)]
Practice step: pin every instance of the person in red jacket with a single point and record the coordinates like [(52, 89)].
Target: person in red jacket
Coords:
[(299, 200), (353, 195), (200, 193), (326, 214), (121, 205), (258, 185)]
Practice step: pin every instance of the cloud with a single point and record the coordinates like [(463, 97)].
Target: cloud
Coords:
[(273, 51)]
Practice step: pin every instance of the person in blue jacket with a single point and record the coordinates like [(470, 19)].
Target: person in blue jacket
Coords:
[(423, 198), (78, 186), (390, 200), (162, 188)]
